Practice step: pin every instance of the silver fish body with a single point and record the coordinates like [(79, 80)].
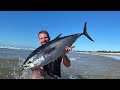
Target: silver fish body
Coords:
[(47, 53)]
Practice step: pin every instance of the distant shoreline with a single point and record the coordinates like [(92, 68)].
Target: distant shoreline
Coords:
[(100, 53), (118, 54)]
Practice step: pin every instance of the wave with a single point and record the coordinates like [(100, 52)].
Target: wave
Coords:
[(11, 47)]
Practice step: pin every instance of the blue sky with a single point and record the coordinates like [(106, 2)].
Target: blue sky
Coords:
[(20, 28)]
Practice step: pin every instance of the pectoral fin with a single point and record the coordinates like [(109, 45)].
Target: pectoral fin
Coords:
[(73, 47)]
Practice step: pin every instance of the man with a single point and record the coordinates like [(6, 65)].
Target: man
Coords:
[(51, 70)]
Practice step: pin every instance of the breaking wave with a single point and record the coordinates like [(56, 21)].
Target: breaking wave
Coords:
[(25, 74), (11, 47)]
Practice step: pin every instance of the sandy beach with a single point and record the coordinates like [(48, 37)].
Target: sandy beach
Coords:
[(118, 54)]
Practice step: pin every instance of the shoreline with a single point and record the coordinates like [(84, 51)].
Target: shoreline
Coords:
[(102, 53)]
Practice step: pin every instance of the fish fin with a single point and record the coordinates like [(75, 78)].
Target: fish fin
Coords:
[(48, 51), (86, 34), (58, 36), (72, 46)]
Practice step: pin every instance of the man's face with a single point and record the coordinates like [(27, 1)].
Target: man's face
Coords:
[(43, 38)]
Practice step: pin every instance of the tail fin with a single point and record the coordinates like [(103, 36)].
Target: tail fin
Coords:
[(85, 32)]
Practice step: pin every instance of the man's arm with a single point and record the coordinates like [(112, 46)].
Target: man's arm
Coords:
[(66, 60)]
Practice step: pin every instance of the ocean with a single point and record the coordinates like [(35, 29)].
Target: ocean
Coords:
[(83, 66)]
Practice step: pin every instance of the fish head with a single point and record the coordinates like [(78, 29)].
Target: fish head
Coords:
[(27, 66), (33, 63)]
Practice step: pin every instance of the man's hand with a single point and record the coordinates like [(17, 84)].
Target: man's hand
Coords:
[(67, 49), (39, 69)]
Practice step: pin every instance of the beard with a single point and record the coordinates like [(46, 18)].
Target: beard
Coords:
[(44, 42)]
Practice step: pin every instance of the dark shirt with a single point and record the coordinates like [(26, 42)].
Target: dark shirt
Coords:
[(54, 68)]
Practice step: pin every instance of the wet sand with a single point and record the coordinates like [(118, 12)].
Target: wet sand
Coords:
[(93, 67)]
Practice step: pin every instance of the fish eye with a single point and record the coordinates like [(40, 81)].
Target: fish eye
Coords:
[(29, 62)]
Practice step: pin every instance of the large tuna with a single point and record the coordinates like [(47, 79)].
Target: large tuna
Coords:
[(51, 50)]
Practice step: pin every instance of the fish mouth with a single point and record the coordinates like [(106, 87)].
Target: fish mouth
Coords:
[(27, 66)]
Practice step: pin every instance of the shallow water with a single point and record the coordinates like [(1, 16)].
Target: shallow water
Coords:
[(94, 67), (83, 66), (13, 53), (113, 56)]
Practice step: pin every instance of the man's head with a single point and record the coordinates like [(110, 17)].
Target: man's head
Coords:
[(43, 37)]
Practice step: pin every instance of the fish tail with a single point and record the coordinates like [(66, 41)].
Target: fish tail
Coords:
[(86, 34)]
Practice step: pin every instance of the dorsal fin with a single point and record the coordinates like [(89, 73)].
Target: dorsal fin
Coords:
[(58, 36)]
